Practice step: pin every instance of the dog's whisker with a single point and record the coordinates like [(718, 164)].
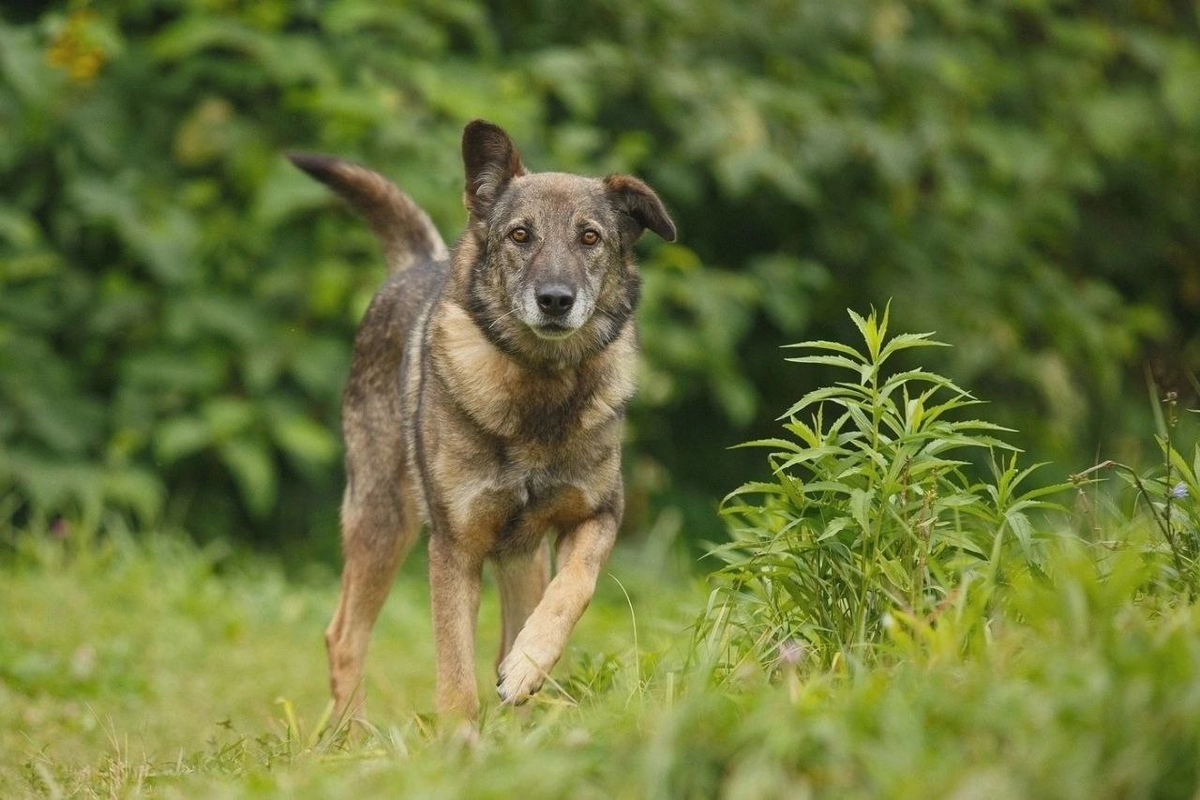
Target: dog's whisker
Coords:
[(498, 319)]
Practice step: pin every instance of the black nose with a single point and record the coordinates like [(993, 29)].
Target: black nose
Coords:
[(555, 300)]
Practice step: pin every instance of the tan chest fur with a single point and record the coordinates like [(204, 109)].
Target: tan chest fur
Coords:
[(511, 452)]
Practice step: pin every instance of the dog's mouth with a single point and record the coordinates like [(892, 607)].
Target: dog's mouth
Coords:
[(552, 331)]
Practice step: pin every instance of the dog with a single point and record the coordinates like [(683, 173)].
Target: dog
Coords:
[(486, 398)]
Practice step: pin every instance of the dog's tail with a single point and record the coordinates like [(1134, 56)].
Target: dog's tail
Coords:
[(406, 231)]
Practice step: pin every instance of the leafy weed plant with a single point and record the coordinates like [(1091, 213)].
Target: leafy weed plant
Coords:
[(872, 507)]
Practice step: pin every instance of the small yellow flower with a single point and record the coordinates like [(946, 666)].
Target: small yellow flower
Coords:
[(75, 49)]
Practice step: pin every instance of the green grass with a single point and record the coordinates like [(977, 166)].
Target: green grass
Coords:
[(884, 623), (138, 666), (158, 668)]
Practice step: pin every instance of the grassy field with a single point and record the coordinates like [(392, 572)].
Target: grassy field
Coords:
[(159, 668), (883, 622)]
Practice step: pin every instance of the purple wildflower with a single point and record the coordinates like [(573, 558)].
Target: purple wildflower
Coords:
[(791, 651), (1179, 490)]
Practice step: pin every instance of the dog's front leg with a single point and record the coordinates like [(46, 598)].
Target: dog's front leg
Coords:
[(582, 553), (522, 579), (454, 578)]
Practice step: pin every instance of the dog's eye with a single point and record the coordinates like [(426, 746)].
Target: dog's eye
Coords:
[(519, 235), (589, 237)]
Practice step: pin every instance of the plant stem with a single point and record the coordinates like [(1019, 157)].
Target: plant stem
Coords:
[(1165, 527)]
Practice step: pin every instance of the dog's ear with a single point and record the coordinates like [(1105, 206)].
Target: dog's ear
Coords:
[(490, 160), (640, 206)]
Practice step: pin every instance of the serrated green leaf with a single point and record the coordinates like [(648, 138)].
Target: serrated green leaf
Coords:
[(837, 347), (905, 341), (783, 444), (833, 361)]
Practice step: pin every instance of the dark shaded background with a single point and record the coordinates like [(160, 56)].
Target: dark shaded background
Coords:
[(177, 303)]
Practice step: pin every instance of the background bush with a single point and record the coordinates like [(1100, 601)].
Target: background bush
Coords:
[(177, 303)]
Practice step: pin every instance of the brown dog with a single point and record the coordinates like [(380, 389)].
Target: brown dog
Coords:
[(487, 396)]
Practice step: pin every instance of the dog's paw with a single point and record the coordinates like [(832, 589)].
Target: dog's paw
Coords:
[(465, 735), (521, 674)]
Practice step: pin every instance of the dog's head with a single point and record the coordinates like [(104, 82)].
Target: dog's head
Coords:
[(552, 275)]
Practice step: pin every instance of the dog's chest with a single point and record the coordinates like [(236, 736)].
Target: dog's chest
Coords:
[(539, 505), (508, 502), (505, 454)]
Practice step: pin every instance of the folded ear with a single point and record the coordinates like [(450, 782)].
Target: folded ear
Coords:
[(490, 160), (640, 205)]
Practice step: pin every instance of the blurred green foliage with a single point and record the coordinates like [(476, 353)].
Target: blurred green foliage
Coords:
[(177, 303)]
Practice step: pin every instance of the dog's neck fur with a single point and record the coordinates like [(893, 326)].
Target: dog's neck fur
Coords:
[(505, 398)]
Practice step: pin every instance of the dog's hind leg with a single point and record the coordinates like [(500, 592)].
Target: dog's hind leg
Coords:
[(522, 580), (379, 526)]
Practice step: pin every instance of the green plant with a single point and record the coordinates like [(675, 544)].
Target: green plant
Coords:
[(176, 303), (871, 507), (1170, 495)]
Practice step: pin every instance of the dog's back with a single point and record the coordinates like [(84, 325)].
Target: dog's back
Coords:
[(380, 498)]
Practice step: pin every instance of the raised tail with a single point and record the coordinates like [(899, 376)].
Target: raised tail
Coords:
[(406, 231)]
